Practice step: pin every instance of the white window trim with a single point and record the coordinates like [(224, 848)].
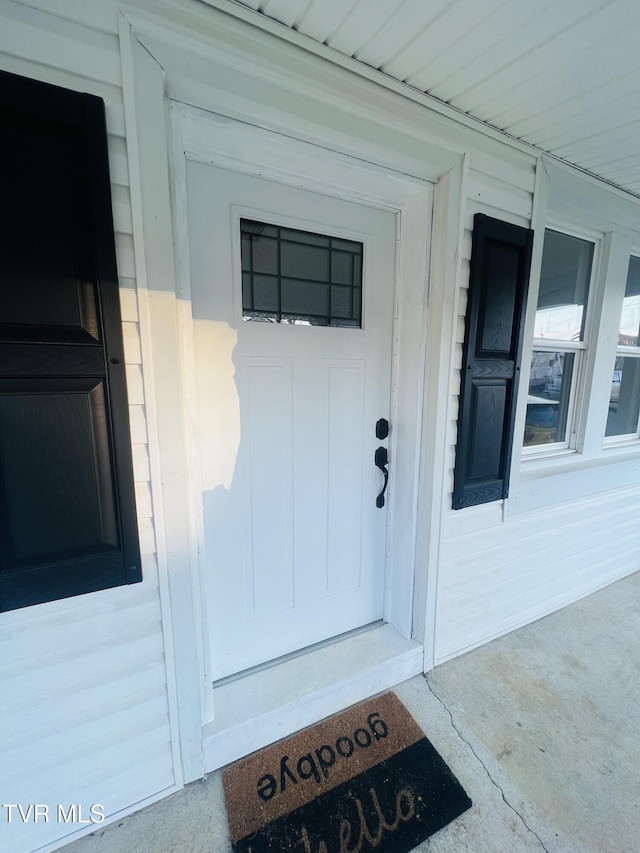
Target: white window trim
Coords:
[(571, 202), (583, 349), (625, 440)]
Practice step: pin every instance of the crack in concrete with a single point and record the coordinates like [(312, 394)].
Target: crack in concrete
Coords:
[(484, 766)]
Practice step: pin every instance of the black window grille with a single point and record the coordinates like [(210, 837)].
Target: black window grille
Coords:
[(293, 276)]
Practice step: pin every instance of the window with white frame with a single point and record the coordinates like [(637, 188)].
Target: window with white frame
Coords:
[(624, 402), (560, 341)]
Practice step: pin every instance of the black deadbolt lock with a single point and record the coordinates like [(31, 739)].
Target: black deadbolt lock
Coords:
[(382, 428)]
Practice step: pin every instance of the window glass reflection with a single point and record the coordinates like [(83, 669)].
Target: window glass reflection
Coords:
[(564, 285), (624, 399), (630, 319), (548, 400), (291, 276)]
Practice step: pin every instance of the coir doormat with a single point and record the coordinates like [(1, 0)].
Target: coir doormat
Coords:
[(364, 779)]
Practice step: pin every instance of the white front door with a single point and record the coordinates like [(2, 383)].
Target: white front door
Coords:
[(293, 544)]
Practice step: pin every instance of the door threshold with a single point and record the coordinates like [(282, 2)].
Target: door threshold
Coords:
[(270, 703), (270, 664)]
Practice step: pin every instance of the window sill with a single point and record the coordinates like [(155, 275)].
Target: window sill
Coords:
[(571, 460), (623, 444), (537, 464)]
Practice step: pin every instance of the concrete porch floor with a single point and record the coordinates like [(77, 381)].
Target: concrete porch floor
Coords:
[(541, 727)]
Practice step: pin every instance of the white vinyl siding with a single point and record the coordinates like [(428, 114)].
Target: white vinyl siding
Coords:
[(495, 577), (84, 708), (503, 565)]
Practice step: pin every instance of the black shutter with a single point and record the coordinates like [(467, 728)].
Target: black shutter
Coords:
[(498, 283), (67, 509)]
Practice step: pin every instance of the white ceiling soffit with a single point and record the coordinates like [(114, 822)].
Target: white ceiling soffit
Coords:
[(563, 75)]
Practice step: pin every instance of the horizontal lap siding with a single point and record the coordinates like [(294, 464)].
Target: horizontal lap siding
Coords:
[(84, 702), (497, 574), (84, 714)]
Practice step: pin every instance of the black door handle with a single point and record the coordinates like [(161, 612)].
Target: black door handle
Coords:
[(382, 460)]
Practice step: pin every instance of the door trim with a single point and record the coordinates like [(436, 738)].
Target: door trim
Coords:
[(160, 62), (209, 138)]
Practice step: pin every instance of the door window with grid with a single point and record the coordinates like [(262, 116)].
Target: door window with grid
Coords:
[(293, 276)]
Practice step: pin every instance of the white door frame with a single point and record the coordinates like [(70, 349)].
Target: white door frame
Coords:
[(239, 147), (162, 64)]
